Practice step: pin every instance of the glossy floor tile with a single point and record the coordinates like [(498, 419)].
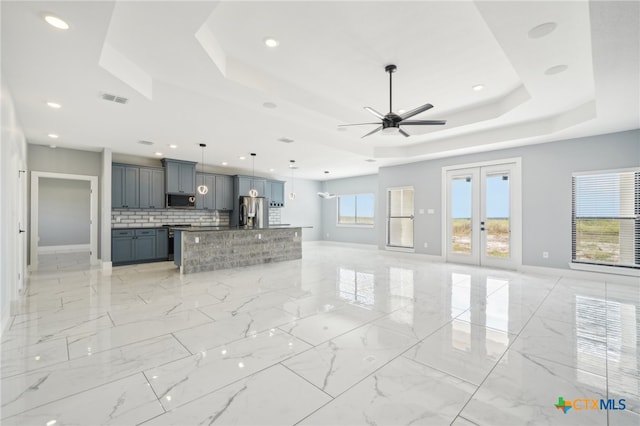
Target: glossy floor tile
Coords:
[(347, 335)]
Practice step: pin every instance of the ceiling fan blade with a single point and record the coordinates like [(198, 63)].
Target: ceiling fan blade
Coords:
[(377, 129), (374, 112), (402, 132), (356, 124), (416, 111), (423, 122)]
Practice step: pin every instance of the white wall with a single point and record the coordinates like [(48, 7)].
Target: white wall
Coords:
[(13, 247), (305, 210), (67, 205)]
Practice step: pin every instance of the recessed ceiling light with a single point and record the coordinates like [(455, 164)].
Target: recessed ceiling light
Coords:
[(172, 146), (556, 69), (478, 87), (271, 42), (224, 163), (53, 136), (159, 154), (542, 30), (243, 157), (56, 22), (269, 105), (54, 105)]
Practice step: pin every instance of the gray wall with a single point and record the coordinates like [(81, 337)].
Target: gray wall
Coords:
[(67, 205), (357, 185), (61, 160), (305, 209), (546, 190)]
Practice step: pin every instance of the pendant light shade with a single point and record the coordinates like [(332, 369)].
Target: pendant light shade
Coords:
[(253, 192), (292, 166), (202, 189)]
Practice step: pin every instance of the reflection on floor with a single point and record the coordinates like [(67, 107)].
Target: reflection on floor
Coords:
[(344, 336), (63, 261)]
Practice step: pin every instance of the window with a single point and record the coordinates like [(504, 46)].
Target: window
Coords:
[(606, 218), (355, 209)]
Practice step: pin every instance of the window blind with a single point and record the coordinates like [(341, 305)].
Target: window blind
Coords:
[(606, 218)]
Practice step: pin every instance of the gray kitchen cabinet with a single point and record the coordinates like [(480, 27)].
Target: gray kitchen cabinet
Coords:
[(162, 243), (206, 201), (130, 246), (122, 249), (224, 192), (276, 193), (125, 186), (151, 188), (245, 183), (180, 176)]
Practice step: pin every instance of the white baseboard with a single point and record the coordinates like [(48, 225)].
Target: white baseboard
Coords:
[(69, 248), (343, 244), (581, 275)]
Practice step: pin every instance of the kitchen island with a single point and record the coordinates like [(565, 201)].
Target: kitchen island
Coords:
[(199, 249)]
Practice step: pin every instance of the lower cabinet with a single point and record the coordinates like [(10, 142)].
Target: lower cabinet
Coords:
[(138, 245)]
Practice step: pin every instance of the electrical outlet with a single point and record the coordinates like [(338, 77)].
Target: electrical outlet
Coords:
[(431, 211), (150, 218), (545, 254), (118, 219), (259, 236), (426, 245), (296, 233), (197, 240), (421, 211)]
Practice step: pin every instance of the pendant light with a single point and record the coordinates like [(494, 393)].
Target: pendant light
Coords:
[(253, 192), (292, 166), (202, 189)]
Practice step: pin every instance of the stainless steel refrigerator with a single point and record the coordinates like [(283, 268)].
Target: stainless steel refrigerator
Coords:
[(254, 212)]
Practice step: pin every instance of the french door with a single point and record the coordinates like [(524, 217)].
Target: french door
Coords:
[(482, 214)]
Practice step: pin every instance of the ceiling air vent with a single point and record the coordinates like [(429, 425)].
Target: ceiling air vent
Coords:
[(285, 140), (145, 142), (114, 98)]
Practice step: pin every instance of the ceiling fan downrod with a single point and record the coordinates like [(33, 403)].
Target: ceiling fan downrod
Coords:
[(390, 69)]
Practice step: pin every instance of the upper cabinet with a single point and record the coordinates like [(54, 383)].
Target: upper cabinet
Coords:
[(125, 186), (180, 176), (275, 193), (151, 188), (246, 183), (224, 192)]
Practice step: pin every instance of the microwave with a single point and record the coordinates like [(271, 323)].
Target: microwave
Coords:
[(181, 201)]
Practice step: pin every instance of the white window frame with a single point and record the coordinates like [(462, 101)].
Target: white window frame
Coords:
[(594, 267), (355, 225)]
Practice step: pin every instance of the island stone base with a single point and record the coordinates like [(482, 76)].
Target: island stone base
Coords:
[(224, 249)]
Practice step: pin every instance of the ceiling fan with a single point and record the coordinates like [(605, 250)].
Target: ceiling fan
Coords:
[(391, 122)]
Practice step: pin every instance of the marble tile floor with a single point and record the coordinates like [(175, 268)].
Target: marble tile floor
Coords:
[(345, 336)]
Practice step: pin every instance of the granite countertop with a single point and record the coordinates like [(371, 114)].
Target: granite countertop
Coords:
[(231, 228)]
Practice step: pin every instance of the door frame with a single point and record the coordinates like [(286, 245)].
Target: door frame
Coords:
[(516, 214), (93, 214), (387, 217)]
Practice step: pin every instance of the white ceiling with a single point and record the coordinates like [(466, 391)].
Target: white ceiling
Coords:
[(199, 72)]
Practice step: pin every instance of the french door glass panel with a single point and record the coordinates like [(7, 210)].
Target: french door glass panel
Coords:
[(497, 212), (400, 218), (461, 214)]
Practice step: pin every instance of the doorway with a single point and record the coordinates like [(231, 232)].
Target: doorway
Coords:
[(483, 214), (40, 179)]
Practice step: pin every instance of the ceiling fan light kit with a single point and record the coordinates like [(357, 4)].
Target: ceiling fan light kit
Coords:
[(391, 122)]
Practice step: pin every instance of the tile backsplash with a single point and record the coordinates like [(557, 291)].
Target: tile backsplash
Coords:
[(151, 218)]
